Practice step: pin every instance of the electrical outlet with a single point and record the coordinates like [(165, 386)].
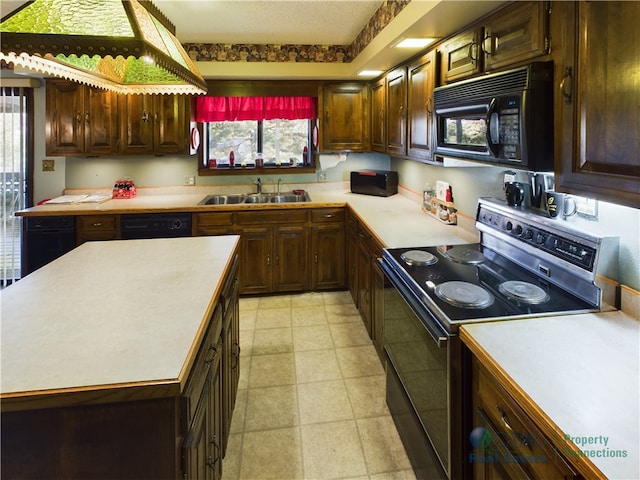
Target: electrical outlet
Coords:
[(189, 180), (322, 176), (48, 165)]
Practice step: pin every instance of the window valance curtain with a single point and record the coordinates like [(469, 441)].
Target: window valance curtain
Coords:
[(220, 109)]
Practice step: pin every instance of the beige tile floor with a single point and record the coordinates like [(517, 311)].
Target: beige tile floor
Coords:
[(311, 399)]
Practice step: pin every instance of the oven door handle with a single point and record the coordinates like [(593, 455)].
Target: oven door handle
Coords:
[(439, 335)]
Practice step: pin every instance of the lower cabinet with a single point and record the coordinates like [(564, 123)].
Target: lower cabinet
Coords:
[(327, 249), (366, 280), (506, 441)]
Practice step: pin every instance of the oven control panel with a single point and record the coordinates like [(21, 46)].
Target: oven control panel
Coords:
[(519, 230)]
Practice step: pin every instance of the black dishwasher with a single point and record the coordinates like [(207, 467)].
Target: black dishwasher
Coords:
[(47, 238), (155, 225)]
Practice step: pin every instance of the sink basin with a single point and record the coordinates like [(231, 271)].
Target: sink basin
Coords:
[(257, 198), (289, 197), (222, 199)]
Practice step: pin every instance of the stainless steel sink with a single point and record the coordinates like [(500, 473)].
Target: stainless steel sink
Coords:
[(289, 197), (255, 198), (232, 199), (258, 198)]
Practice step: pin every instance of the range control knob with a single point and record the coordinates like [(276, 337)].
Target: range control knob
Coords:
[(509, 226), (539, 238), (518, 230), (528, 234)]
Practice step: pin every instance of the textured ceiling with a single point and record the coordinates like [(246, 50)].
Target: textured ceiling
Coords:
[(309, 22)]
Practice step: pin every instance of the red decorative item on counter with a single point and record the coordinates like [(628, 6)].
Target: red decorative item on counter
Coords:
[(124, 188), (232, 158)]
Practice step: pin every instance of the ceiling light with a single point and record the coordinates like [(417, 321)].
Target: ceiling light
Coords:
[(414, 42), (118, 45), (370, 73)]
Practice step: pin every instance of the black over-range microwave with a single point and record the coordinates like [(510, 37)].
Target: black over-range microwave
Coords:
[(503, 118)]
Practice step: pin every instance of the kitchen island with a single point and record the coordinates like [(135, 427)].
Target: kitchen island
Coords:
[(111, 360)]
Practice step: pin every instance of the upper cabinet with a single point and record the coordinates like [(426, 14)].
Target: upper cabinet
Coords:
[(421, 82), (597, 145), (86, 121), (378, 116), (345, 117), (514, 35), (154, 124), (80, 120), (397, 111)]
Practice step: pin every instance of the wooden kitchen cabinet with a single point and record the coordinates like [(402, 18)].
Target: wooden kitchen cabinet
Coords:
[(97, 227), (231, 350), (212, 223), (420, 129), (397, 111), (80, 120), (461, 55), (154, 124), (345, 117), (327, 249), (516, 34), (273, 246), (203, 407), (597, 149), (512, 446), (378, 116), (352, 254)]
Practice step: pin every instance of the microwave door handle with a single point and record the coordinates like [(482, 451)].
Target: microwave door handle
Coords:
[(493, 128)]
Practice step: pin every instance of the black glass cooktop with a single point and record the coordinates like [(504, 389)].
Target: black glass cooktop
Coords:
[(470, 282)]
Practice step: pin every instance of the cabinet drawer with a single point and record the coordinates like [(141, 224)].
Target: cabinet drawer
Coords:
[(280, 217), (207, 353), (323, 215), (96, 223), (214, 219), (520, 436)]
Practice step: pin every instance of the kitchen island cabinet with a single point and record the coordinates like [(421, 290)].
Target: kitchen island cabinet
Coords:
[(117, 370)]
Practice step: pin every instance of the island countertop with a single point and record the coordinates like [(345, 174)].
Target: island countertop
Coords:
[(578, 377), (116, 318)]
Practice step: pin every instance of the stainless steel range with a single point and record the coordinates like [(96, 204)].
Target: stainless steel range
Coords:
[(525, 266)]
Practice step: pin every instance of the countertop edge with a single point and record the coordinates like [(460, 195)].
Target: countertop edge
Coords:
[(540, 418)]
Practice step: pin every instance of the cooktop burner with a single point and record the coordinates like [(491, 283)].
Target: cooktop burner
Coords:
[(470, 282), (464, 294), (523, 291), (418, 258), (465, 255)]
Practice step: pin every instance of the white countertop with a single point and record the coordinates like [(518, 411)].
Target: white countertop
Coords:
[(111, 313), (583, 373), (398, 220)]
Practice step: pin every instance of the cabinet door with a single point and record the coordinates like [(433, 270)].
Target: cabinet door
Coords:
[(137, 123), (328, 262), (345, 117), (378, 117), (64, 117), (461, 56), (216, 425), (256, 260), (397, 111), (422, 78), (101, 121), (352, 256), (171, 124), (517, 34), (290, 259), (598, 139), (364, 283), (377, 307)]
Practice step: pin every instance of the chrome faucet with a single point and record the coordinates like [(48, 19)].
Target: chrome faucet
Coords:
[(258, 184), (279, 180)]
